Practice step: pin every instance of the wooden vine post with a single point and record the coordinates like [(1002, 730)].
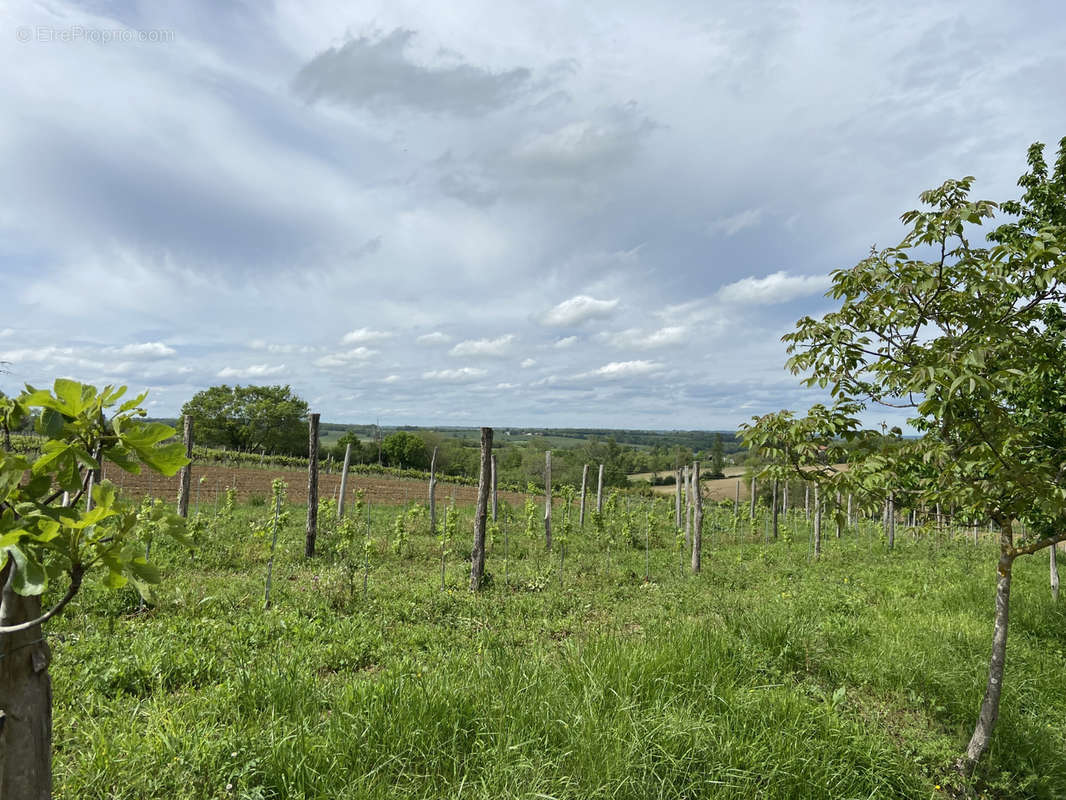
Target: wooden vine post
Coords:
[(697, 522), (495, 480), (547, 499), (433, 492), (312, 486), (344, 480), (890, 514), (817, 523), (477, 556), (584, 484), (185, 476), (599, 492), (776, 509), (1054, 573), (677, 498)]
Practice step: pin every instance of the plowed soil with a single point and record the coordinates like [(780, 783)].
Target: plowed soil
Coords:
[(210, 482)]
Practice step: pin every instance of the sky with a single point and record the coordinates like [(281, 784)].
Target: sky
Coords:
[(599, 214)]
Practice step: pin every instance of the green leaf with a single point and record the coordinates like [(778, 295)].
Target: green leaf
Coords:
[(29, 578), (50, 423)]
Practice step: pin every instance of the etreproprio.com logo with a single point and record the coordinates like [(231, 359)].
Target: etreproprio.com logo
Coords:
[(81, 33)]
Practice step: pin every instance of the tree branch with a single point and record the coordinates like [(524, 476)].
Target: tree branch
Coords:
[(77, 571)]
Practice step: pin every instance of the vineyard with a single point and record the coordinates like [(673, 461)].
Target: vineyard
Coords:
[(602, 668)]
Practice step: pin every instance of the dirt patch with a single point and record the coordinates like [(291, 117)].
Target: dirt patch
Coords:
[(209, 484)]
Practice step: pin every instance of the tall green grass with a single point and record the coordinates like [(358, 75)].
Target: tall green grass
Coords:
[(857, 676)]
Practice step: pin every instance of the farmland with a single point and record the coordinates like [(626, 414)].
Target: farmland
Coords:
[(611, 674)]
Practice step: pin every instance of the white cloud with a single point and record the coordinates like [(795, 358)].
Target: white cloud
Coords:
[(506, 385), (143, 350), (363, 335), (7, 332), (731, 226), (254, 371), (460, 375), (528, 362), (434, 338), (484, 347), (622, 369), (636, 339), (259, 344), (779, 287), (345, 358), (576, 310), (39, 354), (566, 341), (390, 379)]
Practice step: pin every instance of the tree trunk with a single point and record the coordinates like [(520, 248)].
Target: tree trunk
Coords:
[(754, 492), (547, 499), (986, 720), (599, 492), (736, 503), (477, 557), (344, 479), (185, 477), (433, 492), (312, 486), (25, 700), (850, 520), (807, 502), (584, 485), (697, 521)]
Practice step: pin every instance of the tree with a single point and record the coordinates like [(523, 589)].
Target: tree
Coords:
[(56, 522), (972, 343), (359, 454), (250, 418), (404, 449), (717, 458)]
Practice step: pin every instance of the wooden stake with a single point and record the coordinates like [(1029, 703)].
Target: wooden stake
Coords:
[(584, 483), (344, 480), (433, 492), (494, 481), (185, 478), (477, 556), (697, 527), (312, 486), (599, 492), (547, 499)]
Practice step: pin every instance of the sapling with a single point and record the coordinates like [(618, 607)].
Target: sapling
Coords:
[(277, 492)]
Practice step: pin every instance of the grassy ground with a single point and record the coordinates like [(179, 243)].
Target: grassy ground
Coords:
[(767, 676)]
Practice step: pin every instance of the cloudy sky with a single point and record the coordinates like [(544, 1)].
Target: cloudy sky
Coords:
[(505, 213)]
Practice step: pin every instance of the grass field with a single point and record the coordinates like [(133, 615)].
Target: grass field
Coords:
[(768, 675)]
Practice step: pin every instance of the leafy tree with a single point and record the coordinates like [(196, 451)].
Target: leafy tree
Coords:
[(360, 454), (717, 458), (404, 449), (250, 418), (57, 522), (972, 342)]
